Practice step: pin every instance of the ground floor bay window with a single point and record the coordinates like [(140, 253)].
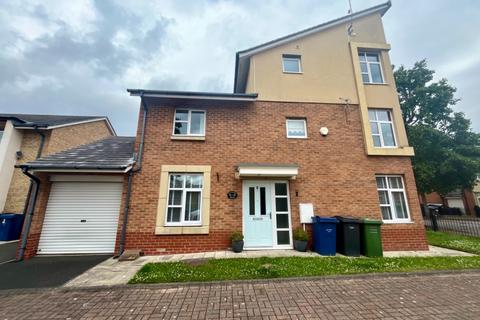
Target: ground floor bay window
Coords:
[(393, 199)]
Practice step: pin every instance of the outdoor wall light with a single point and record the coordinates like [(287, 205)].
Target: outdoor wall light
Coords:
[(324, 131)]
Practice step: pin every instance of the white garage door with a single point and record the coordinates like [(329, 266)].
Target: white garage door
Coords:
[(81, 217), (456, 203)]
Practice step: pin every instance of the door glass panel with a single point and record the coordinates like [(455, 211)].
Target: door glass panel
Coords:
[(283, 237), (192, 206), (280, 189), (251, 198), (263, 205), (281, 204), (282, 221)]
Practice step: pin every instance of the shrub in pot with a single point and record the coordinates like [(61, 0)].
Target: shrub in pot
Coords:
[(300, 240), (237, 241)]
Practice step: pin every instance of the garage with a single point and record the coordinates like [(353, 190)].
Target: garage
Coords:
[(80, 198), (81, 216)]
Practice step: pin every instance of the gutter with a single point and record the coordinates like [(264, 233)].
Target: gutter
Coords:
[(126, 209), (35, 183)]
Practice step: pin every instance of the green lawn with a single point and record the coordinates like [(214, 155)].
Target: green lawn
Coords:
[(454, 241), (265, 268)]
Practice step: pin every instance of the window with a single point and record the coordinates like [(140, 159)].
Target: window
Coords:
[(189, 123), (184, 199), (370, 67), (393, 201), (296, 128), (291, 64), (381, 125)]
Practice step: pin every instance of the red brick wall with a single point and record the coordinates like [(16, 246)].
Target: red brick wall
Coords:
[(335, 174)]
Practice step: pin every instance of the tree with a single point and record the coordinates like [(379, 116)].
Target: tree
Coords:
[(447, 151)]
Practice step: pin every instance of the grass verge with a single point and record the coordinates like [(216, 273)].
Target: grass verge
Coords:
[(454, 241), (266, 268)]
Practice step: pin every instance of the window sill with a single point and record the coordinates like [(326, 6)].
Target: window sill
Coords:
[(193, 138), (169, 230), (289, 72), (376, 83), (397, 222), (304, 138)]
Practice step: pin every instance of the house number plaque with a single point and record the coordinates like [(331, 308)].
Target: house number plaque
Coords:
[(232, 195)]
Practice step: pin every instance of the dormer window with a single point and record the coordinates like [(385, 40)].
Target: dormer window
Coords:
[(189, 123), (370, 67), (292, 63)]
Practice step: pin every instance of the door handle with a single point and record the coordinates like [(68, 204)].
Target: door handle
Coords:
[(83, 220), (270, 213)]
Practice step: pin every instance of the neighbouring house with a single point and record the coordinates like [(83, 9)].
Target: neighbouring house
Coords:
[(25, 137), (465, 200), (314, 119)]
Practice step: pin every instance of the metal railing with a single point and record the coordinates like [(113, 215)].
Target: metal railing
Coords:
[(464, 225)]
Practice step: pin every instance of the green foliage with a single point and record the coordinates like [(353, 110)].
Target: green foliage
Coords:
[(300, 234), (267, 268), (447, 151), (236, 236), (454, 241)]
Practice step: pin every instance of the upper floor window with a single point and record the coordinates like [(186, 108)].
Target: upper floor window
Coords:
[(370, 67), (292, 63), (189, 122), (184, 199), (382, 128), (296, 128), (393, 201)]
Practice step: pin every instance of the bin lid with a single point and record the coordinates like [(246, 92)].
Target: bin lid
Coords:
[(371, 221), (348, 219), (9, 215), (319, 219)]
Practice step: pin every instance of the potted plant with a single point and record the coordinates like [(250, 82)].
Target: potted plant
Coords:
[(237, 241), (300, 240)]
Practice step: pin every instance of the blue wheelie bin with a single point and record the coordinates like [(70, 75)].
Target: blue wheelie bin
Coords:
[(10, 226), (324, 235)]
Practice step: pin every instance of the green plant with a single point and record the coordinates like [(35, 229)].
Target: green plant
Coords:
[(236, 236), (300, 235)]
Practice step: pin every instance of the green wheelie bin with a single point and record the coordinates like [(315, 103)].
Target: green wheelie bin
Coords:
[(371, 238)]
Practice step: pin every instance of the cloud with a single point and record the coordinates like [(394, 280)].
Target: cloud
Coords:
[(78, 57)]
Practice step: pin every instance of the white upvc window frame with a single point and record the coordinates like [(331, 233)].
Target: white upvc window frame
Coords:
[(369, 70), (304, 125), (292, 57), (189, 123), (380, 130), (391, 204), (184, 190)]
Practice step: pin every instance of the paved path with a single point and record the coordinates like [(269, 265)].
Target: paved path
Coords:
[(114, 272), (434, 296)]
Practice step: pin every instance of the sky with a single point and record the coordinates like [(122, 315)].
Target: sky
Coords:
[(79, 57)]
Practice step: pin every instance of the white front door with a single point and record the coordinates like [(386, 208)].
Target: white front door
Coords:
[(266, 215)]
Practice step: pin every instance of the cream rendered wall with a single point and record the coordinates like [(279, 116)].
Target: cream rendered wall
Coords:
[(9, 145), (326, 65)]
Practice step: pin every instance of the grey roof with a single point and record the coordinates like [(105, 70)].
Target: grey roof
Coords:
[(112, 153), (242, 61), (45, 121)]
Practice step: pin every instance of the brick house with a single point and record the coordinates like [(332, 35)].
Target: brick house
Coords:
[(314, 119)]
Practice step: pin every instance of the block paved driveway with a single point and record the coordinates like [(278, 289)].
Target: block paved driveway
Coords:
[(434, 296)]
